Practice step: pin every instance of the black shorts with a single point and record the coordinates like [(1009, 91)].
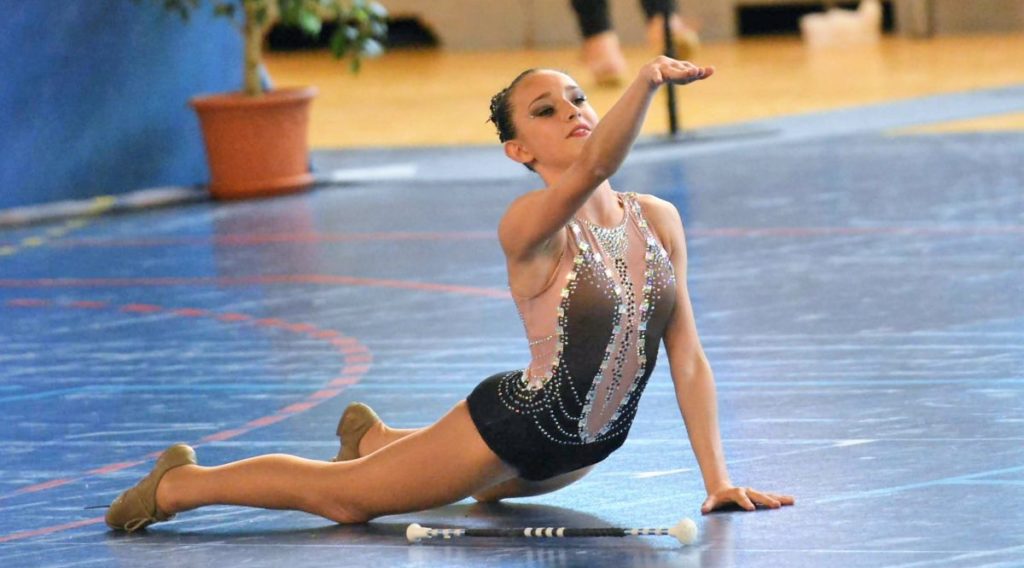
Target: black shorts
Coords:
[(519, 438)]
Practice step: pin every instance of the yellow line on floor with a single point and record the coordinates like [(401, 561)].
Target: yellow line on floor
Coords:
[(1013, 122), (97, 206)]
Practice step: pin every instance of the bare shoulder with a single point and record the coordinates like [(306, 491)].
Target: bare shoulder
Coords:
[(654, 206), (664, 219), (519, 216), (514, 215)]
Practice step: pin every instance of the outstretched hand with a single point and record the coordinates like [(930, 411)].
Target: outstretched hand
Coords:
[(744, 497), (667, 70)]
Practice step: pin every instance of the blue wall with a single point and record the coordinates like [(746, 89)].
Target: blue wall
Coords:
[(93, 96)]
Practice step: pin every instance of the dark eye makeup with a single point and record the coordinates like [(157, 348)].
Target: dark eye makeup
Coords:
[(577, 100)]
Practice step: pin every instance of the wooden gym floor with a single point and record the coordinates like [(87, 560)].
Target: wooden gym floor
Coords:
[(433, 97)]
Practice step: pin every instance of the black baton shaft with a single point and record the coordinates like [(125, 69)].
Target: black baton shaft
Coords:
[(670, 51), (541, 532)]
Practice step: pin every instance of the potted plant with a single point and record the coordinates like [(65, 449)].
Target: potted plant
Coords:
[(256, 139)]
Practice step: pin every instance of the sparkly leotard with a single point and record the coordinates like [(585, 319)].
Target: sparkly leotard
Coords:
[(594, 333)]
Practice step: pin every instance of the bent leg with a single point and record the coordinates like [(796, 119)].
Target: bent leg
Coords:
[(519, 487), (381, 435), (434, 466)]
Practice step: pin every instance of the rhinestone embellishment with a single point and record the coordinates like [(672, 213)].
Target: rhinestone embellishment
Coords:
[(552, 391), (613, 240)]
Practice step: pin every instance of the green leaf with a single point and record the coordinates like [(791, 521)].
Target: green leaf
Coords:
[(339, 44), (179, 6), (377, 11), (309, 22), (372, 48), (290, 10), (224, 9), (260, 14)]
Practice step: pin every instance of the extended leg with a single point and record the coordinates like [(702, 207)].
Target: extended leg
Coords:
[(437, 465)]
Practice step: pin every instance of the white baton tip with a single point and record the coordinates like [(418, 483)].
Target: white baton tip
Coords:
[(685, 532), (415, 532)]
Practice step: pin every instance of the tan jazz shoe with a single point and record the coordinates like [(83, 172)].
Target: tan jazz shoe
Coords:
[(136, 508), (685, 40), (603, 56), (355, 421)]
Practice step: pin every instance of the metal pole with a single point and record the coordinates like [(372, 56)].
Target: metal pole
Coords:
[(670, 51)]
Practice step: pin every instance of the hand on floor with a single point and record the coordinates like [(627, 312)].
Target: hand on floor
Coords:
[(744, 497)]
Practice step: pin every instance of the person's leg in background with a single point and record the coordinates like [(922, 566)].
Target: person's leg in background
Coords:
[(683, 36), (601, 51)]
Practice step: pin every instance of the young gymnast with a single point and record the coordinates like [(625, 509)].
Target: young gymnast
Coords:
[(599, 278)]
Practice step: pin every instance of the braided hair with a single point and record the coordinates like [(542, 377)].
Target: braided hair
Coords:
[(501, 109)]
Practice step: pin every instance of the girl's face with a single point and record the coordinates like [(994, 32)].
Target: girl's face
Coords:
[(552, 119)]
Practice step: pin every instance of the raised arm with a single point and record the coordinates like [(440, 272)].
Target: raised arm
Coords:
[(693, 380), (533, 219)]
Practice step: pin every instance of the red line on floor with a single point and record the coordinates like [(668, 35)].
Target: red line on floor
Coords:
[(115, 467), (266, 420), (743, 232), (257, 239), (43, 486), (191, 312), (251, 239), (297, 407), (349, 349), (270, 322), (224, 435), (353, 373), (27, 302), (88, 305), (359, 369), (141, 308), (318, 279), (326, 393), (50, 530)]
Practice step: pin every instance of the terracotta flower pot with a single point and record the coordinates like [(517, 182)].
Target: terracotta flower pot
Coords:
[(256, 146)]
